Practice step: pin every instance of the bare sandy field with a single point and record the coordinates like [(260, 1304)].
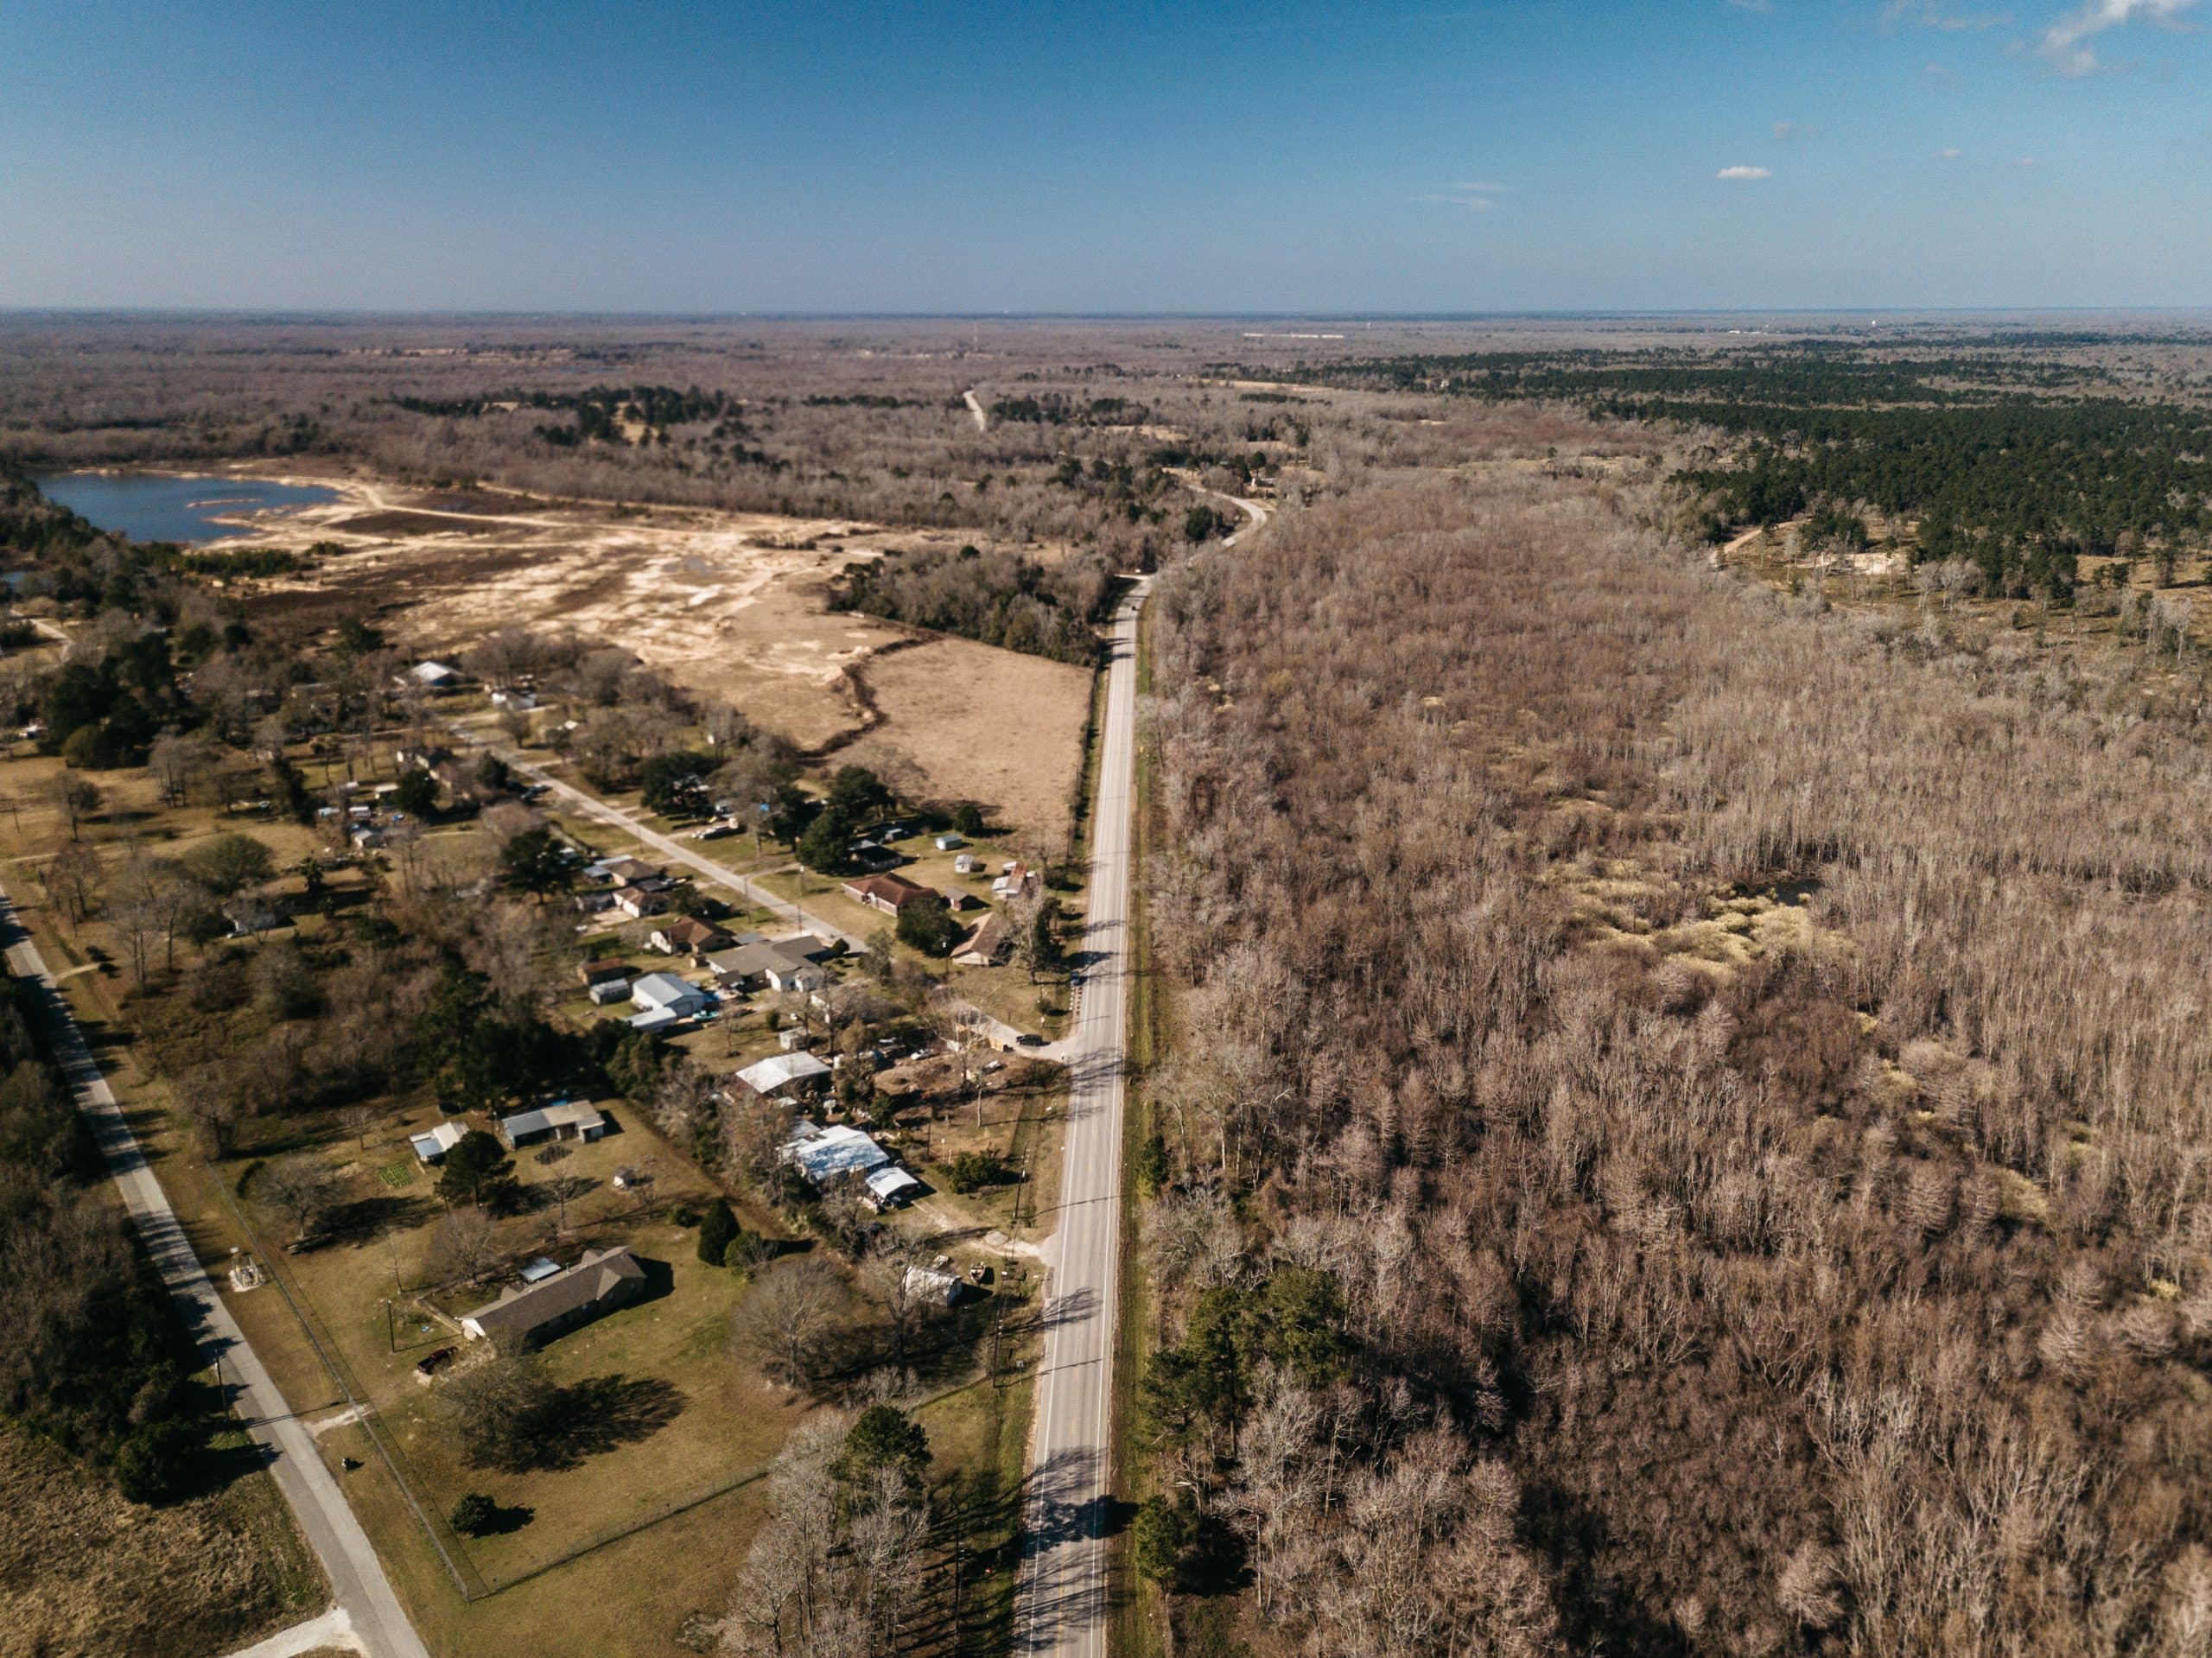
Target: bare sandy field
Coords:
[(731, 605), (982, 724)]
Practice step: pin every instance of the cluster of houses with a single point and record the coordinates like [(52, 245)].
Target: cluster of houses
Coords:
[(737, 964), (991, 941), (628, 886), (367, 811)]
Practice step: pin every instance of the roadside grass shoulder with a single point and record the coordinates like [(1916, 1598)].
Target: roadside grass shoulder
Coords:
[(1139, 1611)]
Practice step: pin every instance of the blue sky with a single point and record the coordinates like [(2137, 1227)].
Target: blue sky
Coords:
[(1289, 157)]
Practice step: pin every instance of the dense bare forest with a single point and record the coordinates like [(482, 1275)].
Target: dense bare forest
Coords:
[(1687, 1132)]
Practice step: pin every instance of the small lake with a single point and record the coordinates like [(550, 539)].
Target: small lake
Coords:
[(151, 506)]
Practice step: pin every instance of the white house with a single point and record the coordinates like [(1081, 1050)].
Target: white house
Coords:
[(950, 843), (783, 1072), (637, 903), (435, 676), (665, 993), (925, 1284), (824, 1153), (432, 1146)]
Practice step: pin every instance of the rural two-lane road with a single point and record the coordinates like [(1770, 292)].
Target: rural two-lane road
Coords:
[(1060, 1605), (369, 1615)]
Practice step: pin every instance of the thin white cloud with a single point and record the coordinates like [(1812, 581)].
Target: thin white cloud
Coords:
[(1940, 13), (1475, 195), (1785, 131), (2024, 160), (1950, 155), (2069, 46), (1744, 173), (1752, 5)]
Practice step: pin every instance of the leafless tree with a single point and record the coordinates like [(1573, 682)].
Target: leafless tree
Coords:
[(71, 878), (302, 1188), (784, 1318), (76, 797), (463, 1246)]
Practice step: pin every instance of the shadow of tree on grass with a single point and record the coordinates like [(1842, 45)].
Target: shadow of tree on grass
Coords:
[(603, 1413)]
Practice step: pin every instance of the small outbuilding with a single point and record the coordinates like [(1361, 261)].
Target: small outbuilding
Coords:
[(432, 1146)]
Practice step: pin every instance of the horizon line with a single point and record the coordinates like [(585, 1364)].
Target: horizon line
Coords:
[(588, 314)]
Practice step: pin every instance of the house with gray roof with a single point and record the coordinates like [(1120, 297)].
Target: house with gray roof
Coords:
[(532, 1314), (780, 964), (563, 1119)]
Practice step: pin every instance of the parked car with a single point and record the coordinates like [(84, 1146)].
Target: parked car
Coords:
[(1029, 1039), (430, 1365)]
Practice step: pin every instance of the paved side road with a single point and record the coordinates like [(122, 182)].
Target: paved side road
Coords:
[(705, 868), (357, 1579)]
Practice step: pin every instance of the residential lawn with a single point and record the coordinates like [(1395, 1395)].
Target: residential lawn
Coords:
[(1006, 994), (664, 1412), (627, 1599)]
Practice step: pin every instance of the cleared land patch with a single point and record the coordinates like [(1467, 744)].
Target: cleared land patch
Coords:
[(731, 605)]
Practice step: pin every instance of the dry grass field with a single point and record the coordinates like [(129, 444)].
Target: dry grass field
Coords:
[(84, 1573)]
